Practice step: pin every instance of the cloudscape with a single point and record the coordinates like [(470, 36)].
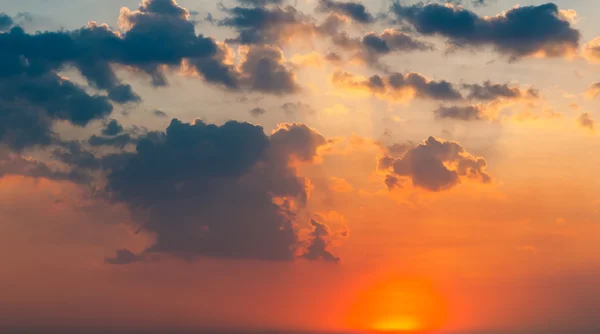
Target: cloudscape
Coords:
[(299, 166)]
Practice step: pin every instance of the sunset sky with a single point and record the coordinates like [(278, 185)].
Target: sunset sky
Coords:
[(300, 166)]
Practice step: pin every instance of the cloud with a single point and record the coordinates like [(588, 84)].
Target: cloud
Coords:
[(267, 25), (398, 86), (112, 128), (263, 69), (594, 91), (339, 185), (159, 113), (353, 10), (435, 165), (258, 3), (258, 112), (16, 164), (298, 109), (226, 191), (591, 50), (522, 31), (317, 248), (31, 103), (5, 22), (489, 91), (372, 46), (465, 113), (586, 121), (120, 141), (124, 256)]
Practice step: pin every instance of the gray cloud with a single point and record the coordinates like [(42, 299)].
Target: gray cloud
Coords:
[(521, 31), (465, 113), (218, 191), (435, 165), (318, 246), (489, 91), (354, 10)]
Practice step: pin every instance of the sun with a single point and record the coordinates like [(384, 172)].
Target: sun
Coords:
[(398, 306)]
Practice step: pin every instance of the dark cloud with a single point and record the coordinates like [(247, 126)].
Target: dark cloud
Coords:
[(586, 121), (120, 141), (219, 191), (318, 246), (159, 113), (15, 164), (263, 69), (29, 105), (489, 91), (5, 22), (112, 128), (465, 113), (257, 3), (258, 112), (435, 165), (371, 47), (521, 31), (400, 86), (267, 25), (354, 10)]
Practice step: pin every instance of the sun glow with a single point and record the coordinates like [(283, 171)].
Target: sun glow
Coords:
[(398, 306)]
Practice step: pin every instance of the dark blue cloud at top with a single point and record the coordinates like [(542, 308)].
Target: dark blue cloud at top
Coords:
[(156, 37), (521, 31), (217, 191)]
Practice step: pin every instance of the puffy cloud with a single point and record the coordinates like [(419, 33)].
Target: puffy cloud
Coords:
[(267, 25), (586, 121), (263, 69), (398, 86), (434, 165), (31, 103), (591, 50), (354, 10), (522, 31), (317, 248), (221, 191)]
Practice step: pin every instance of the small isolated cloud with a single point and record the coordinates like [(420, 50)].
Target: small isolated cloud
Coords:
[(256, 112), (586, 121), (434, 165), (160, 113)]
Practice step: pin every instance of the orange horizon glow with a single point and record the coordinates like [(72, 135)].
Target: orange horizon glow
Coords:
[(398, 305)]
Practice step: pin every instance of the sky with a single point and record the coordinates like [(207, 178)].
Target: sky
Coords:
[(299, 166)]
